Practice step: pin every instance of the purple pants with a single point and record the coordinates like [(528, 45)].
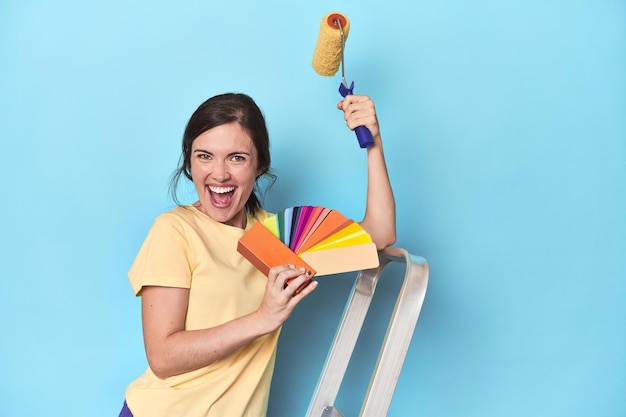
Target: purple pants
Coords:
[(125, 411)]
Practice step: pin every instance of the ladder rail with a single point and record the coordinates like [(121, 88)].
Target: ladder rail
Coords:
[(399, 334), (395, 345), (343, 344)]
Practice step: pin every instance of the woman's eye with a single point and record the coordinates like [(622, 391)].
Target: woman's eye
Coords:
[(238, 158), (205, 156)]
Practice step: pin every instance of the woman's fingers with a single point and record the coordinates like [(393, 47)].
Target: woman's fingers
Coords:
[(359, 111), (288, 279), (286, 287), (294, 286)]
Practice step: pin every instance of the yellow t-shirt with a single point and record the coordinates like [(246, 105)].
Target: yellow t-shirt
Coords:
[(187, 249)]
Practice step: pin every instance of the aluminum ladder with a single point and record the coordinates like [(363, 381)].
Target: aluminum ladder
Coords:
[(395, 345)]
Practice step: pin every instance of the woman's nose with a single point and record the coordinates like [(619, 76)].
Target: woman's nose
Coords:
[(221, 172)]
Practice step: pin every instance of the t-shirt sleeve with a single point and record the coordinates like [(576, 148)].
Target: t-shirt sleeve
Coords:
[(164, 258)]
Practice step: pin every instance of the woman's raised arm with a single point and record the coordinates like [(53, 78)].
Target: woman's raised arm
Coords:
[(380, 210)]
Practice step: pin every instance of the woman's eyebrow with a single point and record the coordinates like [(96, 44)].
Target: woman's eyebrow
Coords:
[(247, 153)]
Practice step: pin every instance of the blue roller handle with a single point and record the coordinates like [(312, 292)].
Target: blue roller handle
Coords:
[(363, 134)]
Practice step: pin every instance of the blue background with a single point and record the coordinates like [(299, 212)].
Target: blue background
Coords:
[(505, 135)]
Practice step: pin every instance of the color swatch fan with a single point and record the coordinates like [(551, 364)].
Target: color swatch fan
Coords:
[(319, 239)]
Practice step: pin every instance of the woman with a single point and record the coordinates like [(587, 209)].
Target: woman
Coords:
[(210, 319)]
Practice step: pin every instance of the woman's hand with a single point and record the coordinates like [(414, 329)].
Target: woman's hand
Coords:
[(286, 287), (360, 111)]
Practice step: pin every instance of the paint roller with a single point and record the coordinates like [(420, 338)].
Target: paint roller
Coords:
[(329, 55)]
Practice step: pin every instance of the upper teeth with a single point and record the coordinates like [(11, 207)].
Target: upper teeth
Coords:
[(221, 190)]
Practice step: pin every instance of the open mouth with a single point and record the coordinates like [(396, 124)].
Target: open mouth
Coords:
[(221, 196)]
